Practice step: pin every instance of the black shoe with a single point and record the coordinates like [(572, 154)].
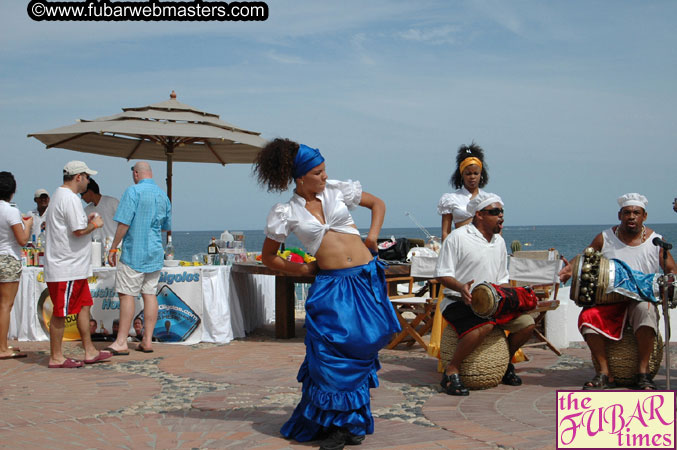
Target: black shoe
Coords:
[(335, 441), (354, 439), (510, 378)]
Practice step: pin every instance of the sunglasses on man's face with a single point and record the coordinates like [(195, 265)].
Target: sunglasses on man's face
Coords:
[(494, 211)]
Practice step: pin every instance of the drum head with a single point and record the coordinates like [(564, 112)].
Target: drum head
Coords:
[(483, 300)]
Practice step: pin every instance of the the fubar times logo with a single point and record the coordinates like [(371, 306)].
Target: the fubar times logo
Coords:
[(616, 419)]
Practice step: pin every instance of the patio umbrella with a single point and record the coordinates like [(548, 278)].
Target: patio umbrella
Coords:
[(169, 130)]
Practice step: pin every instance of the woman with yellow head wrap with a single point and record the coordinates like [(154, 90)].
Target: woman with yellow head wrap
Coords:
[(468, 179)]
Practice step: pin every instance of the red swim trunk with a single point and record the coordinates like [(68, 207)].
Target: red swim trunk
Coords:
[(68, 297)]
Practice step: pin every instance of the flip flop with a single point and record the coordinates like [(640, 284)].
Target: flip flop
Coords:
[(141, 348), (102, 356), (114, 352), (14, 355), (14, 349), (67, 364), (600, 381)]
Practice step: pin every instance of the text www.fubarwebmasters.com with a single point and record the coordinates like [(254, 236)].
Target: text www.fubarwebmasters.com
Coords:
[(152, 10)]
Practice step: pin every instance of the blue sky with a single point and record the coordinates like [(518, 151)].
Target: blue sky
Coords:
[(573, 102)]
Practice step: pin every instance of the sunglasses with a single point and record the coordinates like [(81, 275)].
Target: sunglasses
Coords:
[(494, 211)]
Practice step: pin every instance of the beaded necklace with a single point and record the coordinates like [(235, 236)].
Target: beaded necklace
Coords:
[(643, 233)]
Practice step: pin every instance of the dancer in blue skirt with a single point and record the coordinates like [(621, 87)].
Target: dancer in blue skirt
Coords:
[(348, 315)]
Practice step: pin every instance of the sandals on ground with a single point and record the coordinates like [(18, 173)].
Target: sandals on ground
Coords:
[(452, 385), (600, 381), (644, 382), (511, 378)]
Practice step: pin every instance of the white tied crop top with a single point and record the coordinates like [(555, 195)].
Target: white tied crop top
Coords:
[(293, 217), (455, 203)]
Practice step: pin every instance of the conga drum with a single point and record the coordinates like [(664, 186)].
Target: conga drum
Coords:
[(491, 301), (484, 300), (590, 280)]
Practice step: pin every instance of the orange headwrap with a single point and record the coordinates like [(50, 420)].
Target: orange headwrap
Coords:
[(469, 161)]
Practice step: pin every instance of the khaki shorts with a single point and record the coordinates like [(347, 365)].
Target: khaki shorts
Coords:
[(10, 269), (520, 323), (130, 282)]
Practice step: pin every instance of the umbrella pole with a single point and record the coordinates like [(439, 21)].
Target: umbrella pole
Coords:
[(169, 151)]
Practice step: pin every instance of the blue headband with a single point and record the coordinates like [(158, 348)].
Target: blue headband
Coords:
[(306, 159)]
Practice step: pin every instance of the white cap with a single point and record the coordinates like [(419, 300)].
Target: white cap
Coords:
[(77, 167), (40, 192), (481, 201), (633, 199)]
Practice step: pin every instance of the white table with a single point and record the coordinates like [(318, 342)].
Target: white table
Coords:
[(228, 307)]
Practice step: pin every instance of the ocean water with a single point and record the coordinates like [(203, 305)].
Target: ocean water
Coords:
[(569, 240)]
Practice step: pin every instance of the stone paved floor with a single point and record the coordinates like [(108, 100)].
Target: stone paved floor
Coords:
[(239, 394)]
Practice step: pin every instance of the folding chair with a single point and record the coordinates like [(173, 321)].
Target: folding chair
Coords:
[(540, 270), (413, 310)]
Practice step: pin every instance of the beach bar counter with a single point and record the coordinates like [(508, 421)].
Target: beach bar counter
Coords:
[(196, 304)]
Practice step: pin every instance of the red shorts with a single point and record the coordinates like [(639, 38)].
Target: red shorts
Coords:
[(68, 297)]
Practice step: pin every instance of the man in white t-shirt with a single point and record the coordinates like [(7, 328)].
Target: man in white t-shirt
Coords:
[(104, 205), (68, 264), (41, 198), (470, 255)]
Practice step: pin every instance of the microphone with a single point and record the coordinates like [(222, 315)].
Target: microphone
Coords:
[(658, 242)]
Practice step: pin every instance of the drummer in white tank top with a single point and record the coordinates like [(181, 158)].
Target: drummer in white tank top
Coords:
[(643, 257), (631, 242)]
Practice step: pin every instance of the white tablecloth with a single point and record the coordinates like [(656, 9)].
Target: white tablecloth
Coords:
[(231, 304)]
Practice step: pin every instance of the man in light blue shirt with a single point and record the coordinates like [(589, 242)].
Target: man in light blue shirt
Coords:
[(143, 213)]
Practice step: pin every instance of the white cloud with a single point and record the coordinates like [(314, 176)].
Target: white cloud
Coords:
[(357, 42), (439, 35), (285, 59)]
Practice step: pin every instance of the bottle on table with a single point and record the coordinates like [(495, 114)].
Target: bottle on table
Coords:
[(106, 248), (41, 241), (169, 249), (97, 251), (31, 252), (212, 251)]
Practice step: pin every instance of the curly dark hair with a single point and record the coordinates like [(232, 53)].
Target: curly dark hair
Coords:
[(93, 186), (465, 151), (7, 186), (274, 165)]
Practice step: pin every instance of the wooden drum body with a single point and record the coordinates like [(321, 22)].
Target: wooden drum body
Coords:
[(494, 302), (590, 280)]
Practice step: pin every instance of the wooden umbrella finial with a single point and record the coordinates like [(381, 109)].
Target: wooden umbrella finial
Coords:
[(172, 95)]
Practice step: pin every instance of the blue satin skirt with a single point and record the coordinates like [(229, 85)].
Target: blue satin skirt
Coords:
[(349, 318)]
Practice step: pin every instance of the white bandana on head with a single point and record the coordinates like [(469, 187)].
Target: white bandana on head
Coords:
[(633, 199), (481, 201)]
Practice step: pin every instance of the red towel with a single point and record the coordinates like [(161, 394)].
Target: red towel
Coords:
[(516, 301), (608, 320)]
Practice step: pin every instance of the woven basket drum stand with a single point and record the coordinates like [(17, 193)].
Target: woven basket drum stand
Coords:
[(623, 358), (485, 366)]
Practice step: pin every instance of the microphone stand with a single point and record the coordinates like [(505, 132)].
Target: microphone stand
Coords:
[(666, 317)]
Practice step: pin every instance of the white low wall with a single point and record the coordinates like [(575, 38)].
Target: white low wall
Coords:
[(561, 325)]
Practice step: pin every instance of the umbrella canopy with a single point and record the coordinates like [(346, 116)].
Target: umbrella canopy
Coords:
[(166, 131)]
